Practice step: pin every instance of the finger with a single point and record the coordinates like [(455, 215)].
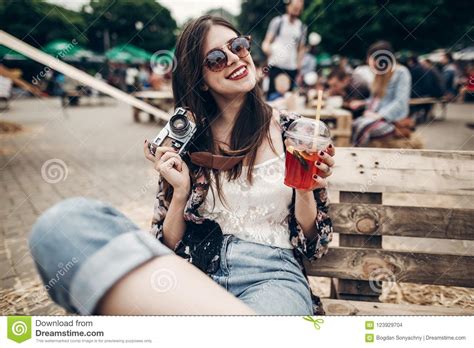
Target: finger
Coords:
[(160, 150), (146, 150), (172, 162), (326, 158), (331, 150), (323, 169), (168, 155), (320, 182)]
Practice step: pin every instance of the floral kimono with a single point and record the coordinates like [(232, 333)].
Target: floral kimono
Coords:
[(202, 240)]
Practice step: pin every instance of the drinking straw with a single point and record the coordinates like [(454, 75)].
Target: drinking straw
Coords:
[(318, 105), (318, 116)]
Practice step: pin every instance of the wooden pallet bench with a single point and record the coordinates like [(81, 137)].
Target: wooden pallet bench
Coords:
[(360, 265)]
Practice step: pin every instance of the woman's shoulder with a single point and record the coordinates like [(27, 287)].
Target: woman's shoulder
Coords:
[(402, 71)]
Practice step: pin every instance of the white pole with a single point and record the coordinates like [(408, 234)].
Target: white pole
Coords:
[(74, 73)]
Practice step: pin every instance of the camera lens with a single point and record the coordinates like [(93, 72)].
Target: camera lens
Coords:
[(179, 124)]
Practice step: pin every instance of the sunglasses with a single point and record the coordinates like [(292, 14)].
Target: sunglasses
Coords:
[(216, 59)]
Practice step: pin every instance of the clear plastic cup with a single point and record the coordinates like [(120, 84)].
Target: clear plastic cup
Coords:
[(306, 138)]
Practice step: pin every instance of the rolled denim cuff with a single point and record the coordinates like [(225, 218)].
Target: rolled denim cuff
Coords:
[(109, 264)]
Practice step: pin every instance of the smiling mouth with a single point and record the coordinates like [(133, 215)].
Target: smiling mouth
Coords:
[(238, 73)]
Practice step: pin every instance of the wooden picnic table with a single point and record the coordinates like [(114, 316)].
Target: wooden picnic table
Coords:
[(443, 101), (338, 120), (161, 99)]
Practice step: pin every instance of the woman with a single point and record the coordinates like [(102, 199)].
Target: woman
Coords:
[(251, 232), (390, 97)]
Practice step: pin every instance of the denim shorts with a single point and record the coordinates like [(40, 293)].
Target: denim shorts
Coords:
[(82, 247), (268, 279)]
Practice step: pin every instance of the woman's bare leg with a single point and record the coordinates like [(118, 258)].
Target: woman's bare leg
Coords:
[(169, 285)]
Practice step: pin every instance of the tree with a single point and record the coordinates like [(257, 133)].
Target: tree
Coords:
[(144, 23), (348, 27), (38, 22), (221, 12), (255, 15)]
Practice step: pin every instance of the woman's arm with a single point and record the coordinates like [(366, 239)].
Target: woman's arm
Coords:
[(311, 211), (168, 217), (314, 243), (306, 212), (168, 223), (309, 223), (174, 224)]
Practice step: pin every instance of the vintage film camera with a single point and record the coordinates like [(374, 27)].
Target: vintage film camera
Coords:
[(177, 133)]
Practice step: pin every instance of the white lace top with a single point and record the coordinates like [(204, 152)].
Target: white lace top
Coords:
[(256, 212)]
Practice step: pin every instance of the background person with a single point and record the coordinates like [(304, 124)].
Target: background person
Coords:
[(350, 88), (284, 44), (450, 75), (389, 100)]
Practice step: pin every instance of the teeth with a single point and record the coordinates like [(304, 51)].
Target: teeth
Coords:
[(238, 73)]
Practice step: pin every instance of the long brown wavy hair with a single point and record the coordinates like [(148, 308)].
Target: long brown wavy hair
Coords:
[(382, 52), (252, 124)]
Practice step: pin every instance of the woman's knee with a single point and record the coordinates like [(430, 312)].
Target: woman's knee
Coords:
[(51, 227)]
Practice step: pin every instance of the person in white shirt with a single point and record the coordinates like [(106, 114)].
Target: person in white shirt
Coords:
[(131, 75), (284, 44)]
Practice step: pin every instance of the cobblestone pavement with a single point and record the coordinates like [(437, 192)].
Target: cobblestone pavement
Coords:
[(99, 150), (102, 157)]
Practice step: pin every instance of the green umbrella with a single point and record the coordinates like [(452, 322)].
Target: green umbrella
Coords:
[(128, 53), (71, 51), (323, 59), (8, 54)]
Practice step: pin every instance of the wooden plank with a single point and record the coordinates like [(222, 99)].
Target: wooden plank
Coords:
[(428, 100), (156, 95), (377, 265), (403, 171), (21, 83), (358, 289), (342, 307), (76, 74), (342, 141), (326, 113), (375, 219)]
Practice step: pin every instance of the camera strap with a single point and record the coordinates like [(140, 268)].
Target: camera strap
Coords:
[(208, 160)]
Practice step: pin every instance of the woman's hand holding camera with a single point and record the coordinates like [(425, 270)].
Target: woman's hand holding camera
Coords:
[(171, 167)]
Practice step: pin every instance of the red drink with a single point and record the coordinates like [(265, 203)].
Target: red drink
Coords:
[(307, 137), (300, 169)]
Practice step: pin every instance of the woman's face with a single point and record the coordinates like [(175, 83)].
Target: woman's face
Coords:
[(223, 82)]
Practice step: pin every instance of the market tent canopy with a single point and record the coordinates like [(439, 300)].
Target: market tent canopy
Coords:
[(74, 73), (465, 54), (324, 59), (128, 54), (8, 54), (71, 51)]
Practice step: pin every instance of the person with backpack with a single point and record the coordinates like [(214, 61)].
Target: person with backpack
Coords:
[(284, 44)]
